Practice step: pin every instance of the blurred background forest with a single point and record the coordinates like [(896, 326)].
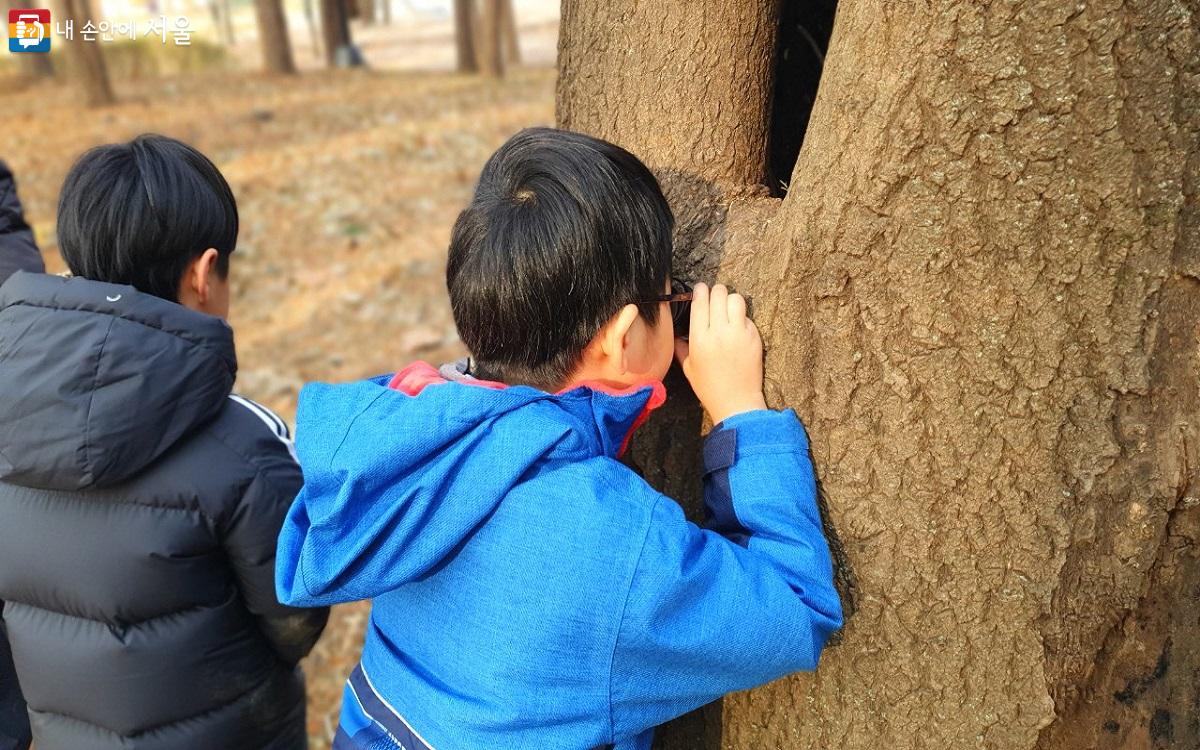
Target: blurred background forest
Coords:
[(348, 177)]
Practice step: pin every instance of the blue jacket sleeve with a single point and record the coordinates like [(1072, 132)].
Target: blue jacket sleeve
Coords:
[(18, 251), (736, 605)]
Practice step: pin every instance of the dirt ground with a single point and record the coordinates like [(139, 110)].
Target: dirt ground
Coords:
[(347, 184)]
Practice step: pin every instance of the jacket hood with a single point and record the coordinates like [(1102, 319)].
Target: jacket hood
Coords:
[(99, 380), (400, 470)]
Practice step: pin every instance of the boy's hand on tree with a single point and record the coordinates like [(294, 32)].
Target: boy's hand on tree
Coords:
[(723, 356)]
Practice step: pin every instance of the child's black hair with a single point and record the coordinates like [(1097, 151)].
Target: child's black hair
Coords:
[(564, 230), (138, 213)]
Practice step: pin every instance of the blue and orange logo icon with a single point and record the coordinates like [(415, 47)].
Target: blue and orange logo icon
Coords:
[(29, 30)]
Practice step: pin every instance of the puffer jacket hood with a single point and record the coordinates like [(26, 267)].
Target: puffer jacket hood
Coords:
[(100, 380)]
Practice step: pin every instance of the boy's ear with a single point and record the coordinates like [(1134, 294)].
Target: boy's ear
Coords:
[(196, 284), (606, 351), (616, 336)]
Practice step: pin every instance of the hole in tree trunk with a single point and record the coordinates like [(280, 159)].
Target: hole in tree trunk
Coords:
[(804, 30)]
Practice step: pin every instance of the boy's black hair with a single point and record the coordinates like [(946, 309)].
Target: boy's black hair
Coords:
[(138, 213), (564, 230)]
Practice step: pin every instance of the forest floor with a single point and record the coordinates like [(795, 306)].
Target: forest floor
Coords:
[(347, 185)]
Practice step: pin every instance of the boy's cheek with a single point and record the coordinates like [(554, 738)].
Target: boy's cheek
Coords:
[(665, 346)]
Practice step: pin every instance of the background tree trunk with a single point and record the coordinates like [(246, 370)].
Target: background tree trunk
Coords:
[(491, 44), (335, 34), (86, 59), (227, 30), (313, 30), (464, 36), (508, 32), (222, 20), (981, 293), (273, 37)]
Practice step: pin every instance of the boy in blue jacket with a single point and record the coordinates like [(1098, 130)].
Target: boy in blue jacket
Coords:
[(530, 591)]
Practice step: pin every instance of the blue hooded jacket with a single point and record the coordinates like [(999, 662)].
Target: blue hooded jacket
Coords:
[(530, 591)]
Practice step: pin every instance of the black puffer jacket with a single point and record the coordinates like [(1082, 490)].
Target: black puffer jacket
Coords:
[(139, 509), (18, 252)]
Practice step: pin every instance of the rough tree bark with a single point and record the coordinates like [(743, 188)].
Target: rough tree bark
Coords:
[(85, 58), (464, 36), (273, 37), (981, 292)]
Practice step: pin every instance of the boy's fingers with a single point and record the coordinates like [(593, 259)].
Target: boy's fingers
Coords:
[(752, 327), (699, 321), (718, 311), (737, 308)]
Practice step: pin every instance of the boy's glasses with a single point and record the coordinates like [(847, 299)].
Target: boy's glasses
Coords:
[(681, 306)]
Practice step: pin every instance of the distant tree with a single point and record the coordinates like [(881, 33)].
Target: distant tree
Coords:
[(273, 37), (464, 36), (314, 33), (222, 20), (508, 31), (491, 48), (227, 22), (86, 60), (340, 51), (369, 11)]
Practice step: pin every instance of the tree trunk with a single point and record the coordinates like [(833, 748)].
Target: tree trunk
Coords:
[(340, 51), (86, 59), (508, 32), (980, 292), (222, 22), (464, 36), (491, 46), (227, 30), (273, 37), (313, 32), (333, 13)]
